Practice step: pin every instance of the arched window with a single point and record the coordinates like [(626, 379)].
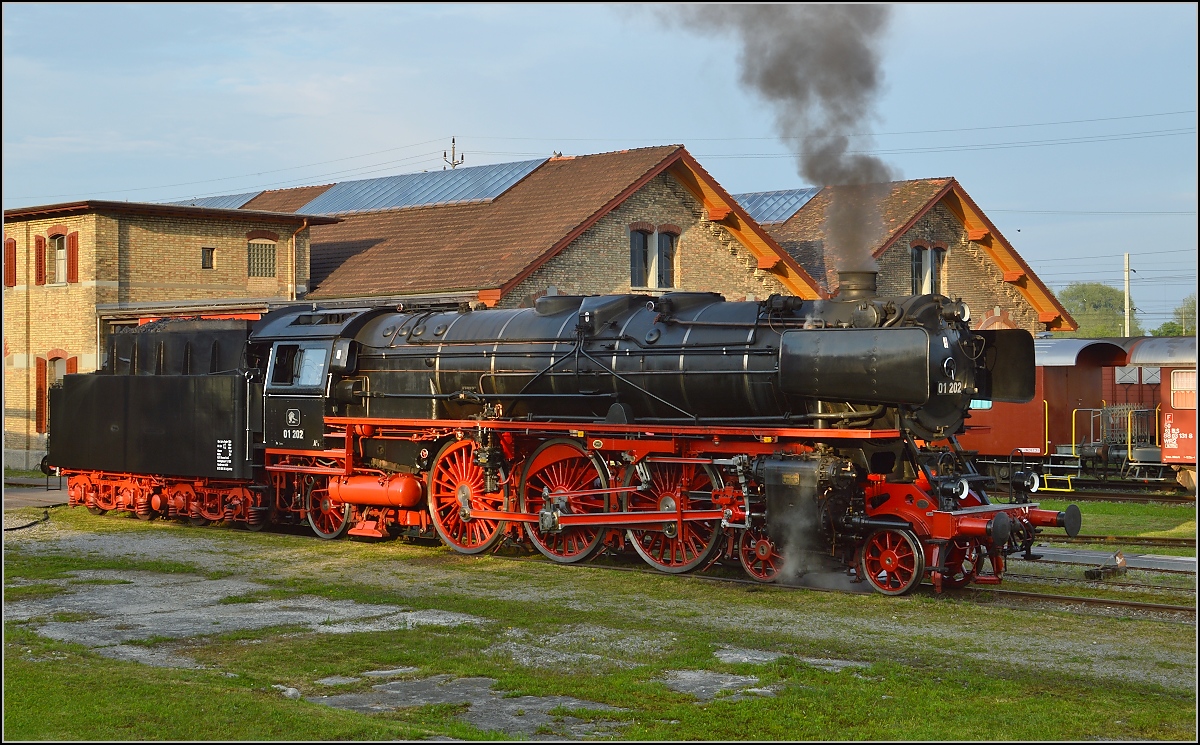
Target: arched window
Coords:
[(666, 259), (261, 258), (639, 258), (56, 260)]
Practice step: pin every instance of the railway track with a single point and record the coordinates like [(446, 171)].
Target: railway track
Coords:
[(926, 588), (1111, 496), (1127, 540), (1106, 583), (1077, 600)]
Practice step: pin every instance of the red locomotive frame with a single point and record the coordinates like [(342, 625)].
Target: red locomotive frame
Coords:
[(571, 490)]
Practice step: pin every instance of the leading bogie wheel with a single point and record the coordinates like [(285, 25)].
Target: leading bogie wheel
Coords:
[(328, 517), (556, 471), (759, 555), (675, 546), (456, 488), (963, 558), (892, 561)]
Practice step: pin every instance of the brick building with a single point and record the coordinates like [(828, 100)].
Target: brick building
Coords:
[(647, 220), (74, 271), (934, 239)]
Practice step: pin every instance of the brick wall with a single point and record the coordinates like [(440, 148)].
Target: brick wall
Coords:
[(968, 273), (122, 259), (707, 257)]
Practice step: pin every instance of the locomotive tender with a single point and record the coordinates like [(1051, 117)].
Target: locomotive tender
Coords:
[(684, 427)]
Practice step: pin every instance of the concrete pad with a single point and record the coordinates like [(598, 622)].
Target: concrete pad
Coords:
[(490, 710), (833, 666), (390, 673), (733, 655), (16, 498), (706, 685), (166, 606), (1096, 558), (336, 680)]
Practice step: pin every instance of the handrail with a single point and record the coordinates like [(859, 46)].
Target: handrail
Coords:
[(1074, 439), (1046, 419), (1157, 427)]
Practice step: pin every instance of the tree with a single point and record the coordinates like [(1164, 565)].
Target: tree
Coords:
[(1183, 320), (1098, 309)]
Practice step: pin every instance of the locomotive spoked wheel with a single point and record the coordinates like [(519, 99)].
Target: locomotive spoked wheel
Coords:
[(963, 557), (759, 555), (892, 561), (328, 517), (558, 467), (674, 547), (456, 486)]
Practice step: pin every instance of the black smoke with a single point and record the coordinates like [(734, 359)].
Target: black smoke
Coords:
[(819, 67)]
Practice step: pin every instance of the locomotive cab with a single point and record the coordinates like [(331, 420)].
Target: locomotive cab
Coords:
[(308, 349), (297, 381)]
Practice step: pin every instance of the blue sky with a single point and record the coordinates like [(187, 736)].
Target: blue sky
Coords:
[(1072, 126)]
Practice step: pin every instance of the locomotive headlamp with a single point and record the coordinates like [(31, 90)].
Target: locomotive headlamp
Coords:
[(1027, 481), (954, 489), (964, 312)]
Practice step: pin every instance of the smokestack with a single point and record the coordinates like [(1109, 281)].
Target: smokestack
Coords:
[(856, 285)]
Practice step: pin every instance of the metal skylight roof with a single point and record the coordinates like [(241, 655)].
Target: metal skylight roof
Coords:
[(775, 206), (455, 186), (225, 201)]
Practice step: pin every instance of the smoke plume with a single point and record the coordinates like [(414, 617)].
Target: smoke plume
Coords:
[(819, 67)]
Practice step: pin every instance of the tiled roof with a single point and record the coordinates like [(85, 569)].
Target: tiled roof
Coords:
[(285, 200), (474, 246), (803, 236)]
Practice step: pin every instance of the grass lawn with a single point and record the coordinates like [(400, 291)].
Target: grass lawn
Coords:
[(939, 668)]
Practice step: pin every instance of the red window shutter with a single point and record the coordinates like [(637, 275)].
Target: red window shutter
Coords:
[(73, 257), (40, 399), (10, 262), (39, 260), (72, 365)]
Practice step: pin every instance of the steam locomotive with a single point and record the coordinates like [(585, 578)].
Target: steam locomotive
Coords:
[(684, 428)]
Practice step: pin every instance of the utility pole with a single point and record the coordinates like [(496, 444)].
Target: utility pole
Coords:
[(1126, 294), (454, 162)]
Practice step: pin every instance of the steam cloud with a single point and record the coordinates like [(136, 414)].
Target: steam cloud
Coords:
[(819, 67)]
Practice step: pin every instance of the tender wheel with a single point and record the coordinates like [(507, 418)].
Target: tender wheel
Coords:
[(962, 563), (558, 467), (759, 555), (673, 547), (892, 561), (456, 487), (328, 517)]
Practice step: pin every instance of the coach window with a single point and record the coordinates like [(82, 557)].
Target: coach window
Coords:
[(1183, 389), (261, 258)]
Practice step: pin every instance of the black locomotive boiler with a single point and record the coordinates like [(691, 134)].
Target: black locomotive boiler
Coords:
[(683, 427)]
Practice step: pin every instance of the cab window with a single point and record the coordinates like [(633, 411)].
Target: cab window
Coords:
[(299, 367)]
